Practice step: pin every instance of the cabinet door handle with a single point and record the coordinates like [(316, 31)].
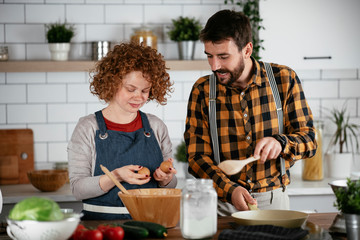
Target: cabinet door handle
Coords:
[(315, 58)]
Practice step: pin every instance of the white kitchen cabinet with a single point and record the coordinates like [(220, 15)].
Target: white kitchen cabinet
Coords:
[(311, 28), (311, 196)]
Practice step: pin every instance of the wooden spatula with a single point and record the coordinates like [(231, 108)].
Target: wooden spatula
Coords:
[(231, 167)]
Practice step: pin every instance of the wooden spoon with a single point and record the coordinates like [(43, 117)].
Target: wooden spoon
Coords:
[(231, 167), (117, 183)]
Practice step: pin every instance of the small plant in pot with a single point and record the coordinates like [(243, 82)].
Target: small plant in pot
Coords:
[(59, 36), (180, 156), (185, 31), (348, 203), (343, 144)]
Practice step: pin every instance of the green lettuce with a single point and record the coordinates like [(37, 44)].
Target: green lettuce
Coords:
[(36, 208)]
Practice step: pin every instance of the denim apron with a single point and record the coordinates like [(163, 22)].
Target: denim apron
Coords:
[(115, 149)]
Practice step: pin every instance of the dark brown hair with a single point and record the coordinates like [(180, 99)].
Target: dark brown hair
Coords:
[(107, 76), (227, 24)]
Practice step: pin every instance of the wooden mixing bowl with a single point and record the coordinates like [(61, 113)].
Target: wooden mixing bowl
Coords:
[(48, 180), (158, 205)]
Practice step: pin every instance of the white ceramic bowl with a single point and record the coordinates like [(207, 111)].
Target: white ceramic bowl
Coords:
[(281, 218), (36, 230)]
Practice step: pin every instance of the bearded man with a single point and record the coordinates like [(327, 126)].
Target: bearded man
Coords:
[(256, 109)]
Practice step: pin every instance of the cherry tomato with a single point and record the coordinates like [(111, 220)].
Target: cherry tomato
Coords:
[(78, 231), (103, 227), (93, 234), (114, 233)]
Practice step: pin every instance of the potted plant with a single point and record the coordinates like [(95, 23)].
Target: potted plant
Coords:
[(343, 144), (348, 203), (251, 9), (180, 156), (185, 31), (59, 36)]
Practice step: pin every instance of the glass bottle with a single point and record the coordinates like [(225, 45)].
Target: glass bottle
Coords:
[(312, 168), (198, 218), (4, 54), (144, 35)]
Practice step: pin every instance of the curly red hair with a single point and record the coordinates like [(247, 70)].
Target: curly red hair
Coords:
[(109, 72)]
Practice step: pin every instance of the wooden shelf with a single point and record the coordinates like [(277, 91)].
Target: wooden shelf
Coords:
[(85, 66)]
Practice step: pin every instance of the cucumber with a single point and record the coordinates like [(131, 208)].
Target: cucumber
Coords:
[(155, 230), (134, 232)]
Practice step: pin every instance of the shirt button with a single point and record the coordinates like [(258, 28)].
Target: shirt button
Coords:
[(245, 115), (242, 93), (249, 180), (248, 138)]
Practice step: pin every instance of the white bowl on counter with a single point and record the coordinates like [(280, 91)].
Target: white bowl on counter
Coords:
[(35, 230)]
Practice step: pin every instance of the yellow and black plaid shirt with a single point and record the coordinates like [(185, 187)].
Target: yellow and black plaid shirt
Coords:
[(243, 118)]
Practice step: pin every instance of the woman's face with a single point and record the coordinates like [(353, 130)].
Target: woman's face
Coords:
[(133, 93)]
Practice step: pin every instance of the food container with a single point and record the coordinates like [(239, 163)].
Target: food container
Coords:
[(159, 205), (312, 168), (145, 36), (35, 230), (198, 218), (4, 54), (100, 49)]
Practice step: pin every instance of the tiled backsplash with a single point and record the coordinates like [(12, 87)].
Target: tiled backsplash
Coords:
[(51, 103)]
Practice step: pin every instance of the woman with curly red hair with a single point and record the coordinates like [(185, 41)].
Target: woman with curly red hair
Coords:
[(120, 136)]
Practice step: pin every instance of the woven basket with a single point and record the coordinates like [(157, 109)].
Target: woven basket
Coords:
[(48, 180)]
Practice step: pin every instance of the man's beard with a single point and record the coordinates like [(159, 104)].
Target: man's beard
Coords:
[(234, 75)]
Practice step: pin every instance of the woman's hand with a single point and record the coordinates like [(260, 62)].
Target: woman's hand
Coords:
[(164, 177), (129, 174), (124, 174)]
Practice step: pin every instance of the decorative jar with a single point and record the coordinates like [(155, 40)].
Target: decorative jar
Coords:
[(144, 35), (312, 168), (198, 211), (4, 54)]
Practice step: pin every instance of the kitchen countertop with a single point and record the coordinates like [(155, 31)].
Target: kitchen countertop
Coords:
[(301, 187), (15, 193), (317, 224)]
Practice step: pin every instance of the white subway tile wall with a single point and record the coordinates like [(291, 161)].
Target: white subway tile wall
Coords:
[(51, 103)]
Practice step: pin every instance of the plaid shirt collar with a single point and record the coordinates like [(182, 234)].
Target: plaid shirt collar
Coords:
[(257, 79)]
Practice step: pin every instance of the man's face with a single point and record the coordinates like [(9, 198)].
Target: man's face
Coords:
[(225, 60)]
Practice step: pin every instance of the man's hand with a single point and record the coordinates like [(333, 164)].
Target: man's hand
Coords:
[(240, 197), (267, 148)]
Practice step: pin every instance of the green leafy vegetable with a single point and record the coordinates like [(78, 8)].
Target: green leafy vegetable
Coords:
[(348, 199), (36, 208)]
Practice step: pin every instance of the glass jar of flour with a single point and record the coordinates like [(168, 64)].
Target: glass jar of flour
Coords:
[(198, 218)]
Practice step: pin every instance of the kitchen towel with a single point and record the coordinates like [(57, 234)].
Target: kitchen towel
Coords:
[(261, 232)]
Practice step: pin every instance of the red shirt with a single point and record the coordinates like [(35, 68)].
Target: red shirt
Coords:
[(128, 127)]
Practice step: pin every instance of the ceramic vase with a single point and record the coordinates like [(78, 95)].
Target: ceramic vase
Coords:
[(59, 51), (339, 165)]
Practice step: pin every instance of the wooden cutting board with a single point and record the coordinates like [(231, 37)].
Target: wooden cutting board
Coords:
[(16, 155)]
